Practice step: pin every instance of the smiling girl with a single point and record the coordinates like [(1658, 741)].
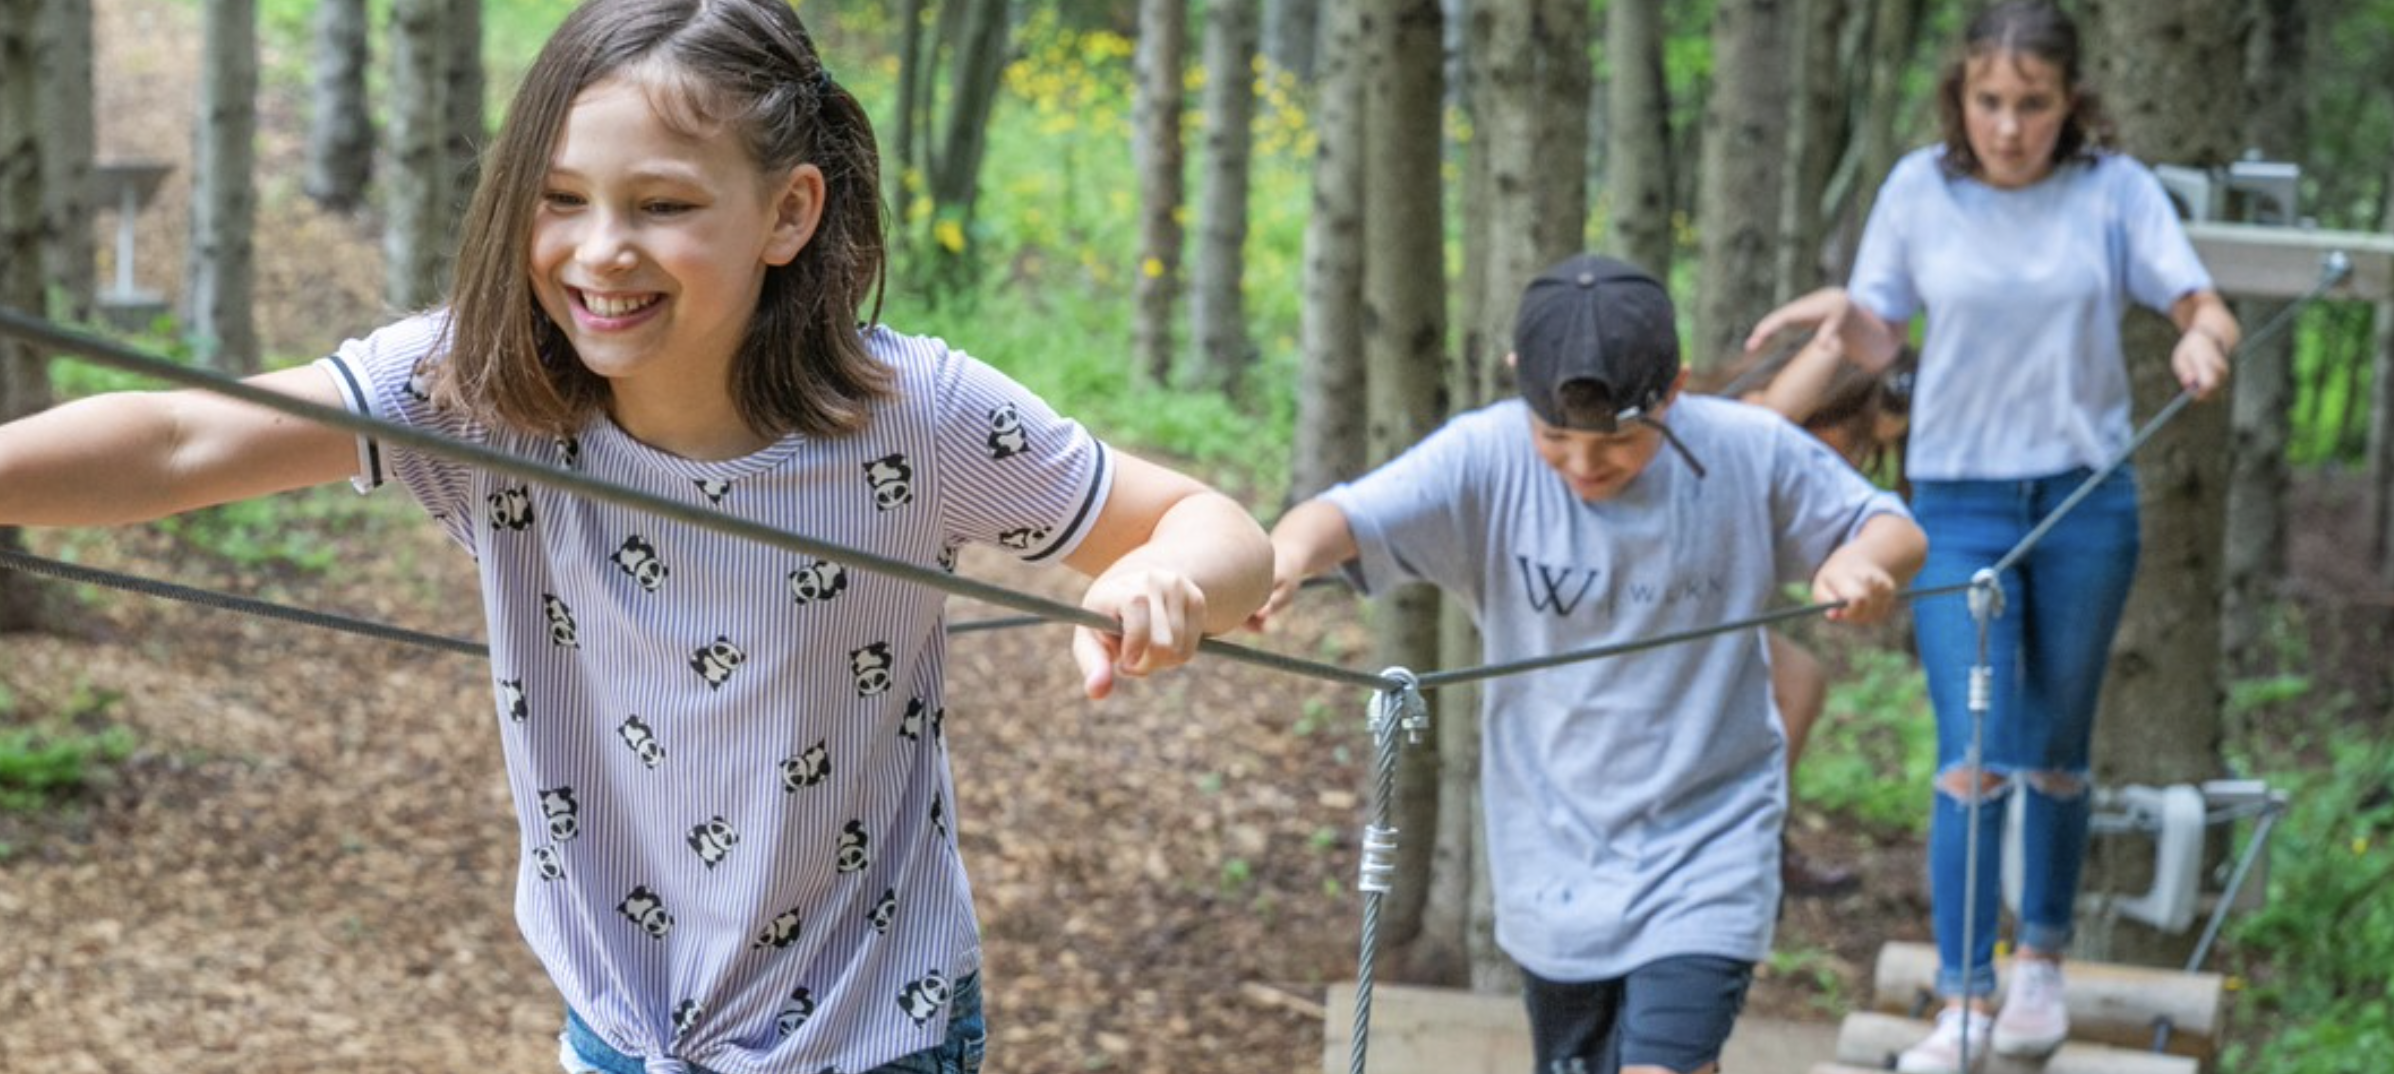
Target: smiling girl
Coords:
[(737, 819)]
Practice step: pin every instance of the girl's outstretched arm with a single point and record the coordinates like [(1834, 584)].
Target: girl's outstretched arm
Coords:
[(134, 456), (1173, 561)]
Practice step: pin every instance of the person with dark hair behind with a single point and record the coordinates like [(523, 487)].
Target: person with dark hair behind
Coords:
[(1863, 417), (1633, 803), (2023, 240)]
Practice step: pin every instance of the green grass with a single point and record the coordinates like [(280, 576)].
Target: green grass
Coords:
[(1874, 751), (55, 757)]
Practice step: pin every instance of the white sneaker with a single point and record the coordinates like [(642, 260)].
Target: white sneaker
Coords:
[(2034, 1020), (1941, 1053)]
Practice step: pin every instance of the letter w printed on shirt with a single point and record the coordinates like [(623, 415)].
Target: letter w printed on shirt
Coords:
[(1546, 586)]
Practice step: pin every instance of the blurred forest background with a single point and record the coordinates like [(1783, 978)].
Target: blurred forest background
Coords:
[(1278, 240)]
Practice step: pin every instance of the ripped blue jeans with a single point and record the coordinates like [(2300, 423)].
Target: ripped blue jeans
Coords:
[(2047, 652)]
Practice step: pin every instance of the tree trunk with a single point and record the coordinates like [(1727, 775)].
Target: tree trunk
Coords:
[(1737, 199), (1404, 335), (978, 56), (1885, 133), (341, 129), (1217, 308), (1563, 38), (1329, 438), (904, 165), (24, 376), (465, 126), (1292, 36), (2253, 555), (2160, 717), (1157, 154), (218, 274), (1637, 160), (1486, 73), (65, 83), (416, 193), (2380, 451), (1815, 115)]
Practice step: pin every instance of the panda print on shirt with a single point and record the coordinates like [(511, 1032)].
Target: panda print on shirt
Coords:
[(1022, 539), (891, 478), (818, 582), (561, 622), (810, 768), (569, 452), (794, 1013), (779, 933), (713, 488), (871, 668), (855, 852), (643, 908), (511, 509), (685, 1018), (712, 840), (1007, 438), (562, 812), (638, 558), (884, 912), (547, 864), (642, 741), (922, 998), (419, 381), (513, 702), (716, 661)]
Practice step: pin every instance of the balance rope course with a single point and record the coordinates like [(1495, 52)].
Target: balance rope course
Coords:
[(1397, 708)]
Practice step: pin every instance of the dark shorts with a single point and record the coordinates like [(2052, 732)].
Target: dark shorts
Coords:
[(959, 1054), (1673, 1013)]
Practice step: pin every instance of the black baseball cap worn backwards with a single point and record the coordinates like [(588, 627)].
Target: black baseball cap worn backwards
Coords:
[(1605, 324)]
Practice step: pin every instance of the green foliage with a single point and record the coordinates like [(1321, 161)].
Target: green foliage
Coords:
[(1817, 969), (1873, 753), (47, 761), (2315, 958)]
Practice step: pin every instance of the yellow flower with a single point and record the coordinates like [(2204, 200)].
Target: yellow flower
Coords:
[(950, 236), (1153, 268)]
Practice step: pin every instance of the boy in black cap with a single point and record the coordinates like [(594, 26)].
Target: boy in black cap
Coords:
[(1634, 803)]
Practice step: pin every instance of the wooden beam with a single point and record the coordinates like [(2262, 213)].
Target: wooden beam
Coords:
[(2109, 1003), (1871, 1041), (2249, 260)]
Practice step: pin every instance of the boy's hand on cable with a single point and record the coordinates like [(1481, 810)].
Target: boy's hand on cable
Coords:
[(1866, 589), (1162, 617)]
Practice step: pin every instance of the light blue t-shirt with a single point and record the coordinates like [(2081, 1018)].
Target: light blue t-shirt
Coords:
[(2021, 373), (1633, 802), (737, 822)]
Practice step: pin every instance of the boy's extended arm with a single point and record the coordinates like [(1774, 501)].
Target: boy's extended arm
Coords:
[(1172, 561), (1869, 571), (1311, 538), (134, 456)]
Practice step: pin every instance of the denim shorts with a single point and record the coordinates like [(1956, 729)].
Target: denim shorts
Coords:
[(1673, 1012), (968, 1036)]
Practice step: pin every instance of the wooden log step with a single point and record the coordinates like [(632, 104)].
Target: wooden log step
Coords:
[(2108, 1003), (1870, 1041)]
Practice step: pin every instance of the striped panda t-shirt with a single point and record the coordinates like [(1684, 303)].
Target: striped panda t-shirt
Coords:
[(737, 819)]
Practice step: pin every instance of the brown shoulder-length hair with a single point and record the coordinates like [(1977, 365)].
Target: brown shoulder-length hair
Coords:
[(740, 68), (1850, 405), (2027, 28)]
